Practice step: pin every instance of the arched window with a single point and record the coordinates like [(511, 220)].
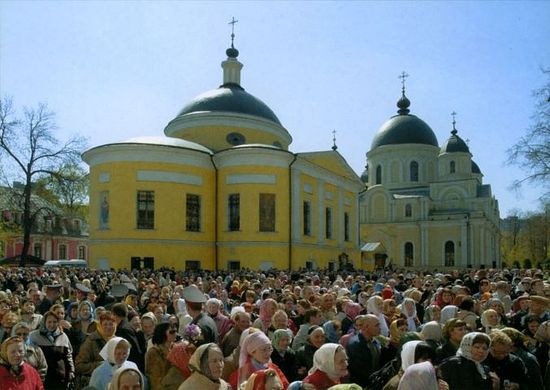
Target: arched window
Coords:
[(408, 210), (449, 254), (409, 254), (378, 174), (413, 171), (452, 167)]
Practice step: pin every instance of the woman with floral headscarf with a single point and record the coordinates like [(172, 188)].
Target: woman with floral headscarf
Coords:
[(207, 366), (33, 354), (15, 373), (375, 305), (283, 356), (466, 370), (115, 354), (179, 357), (57, 349), (352, 310), (79, 327), (333, 331), (330, 364)]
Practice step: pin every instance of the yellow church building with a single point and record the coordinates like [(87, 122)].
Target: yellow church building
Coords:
[(425, 206), (222, 190)]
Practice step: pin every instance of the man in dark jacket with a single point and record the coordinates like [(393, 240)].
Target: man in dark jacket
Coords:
[(125, 330), (509, 368), (364, 350)]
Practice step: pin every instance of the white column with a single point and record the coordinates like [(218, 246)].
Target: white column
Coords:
[(464, 244)]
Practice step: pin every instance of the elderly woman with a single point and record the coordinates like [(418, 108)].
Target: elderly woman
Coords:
[(79, 326), (408, 310), (304, 355), (223, 323), (352, 310), (283, 356), (330, 364), (127, 378), (432, 313), (490, 320), (453, 332), (419, 376), (466, 370), (15, 373), (58, 352), (156, 363), (255, 355), (33, 354), (115, 355), (89, 357), (448, 312), (519, 348), (207, 366), (267, 309), (432, 333), (375, 306)]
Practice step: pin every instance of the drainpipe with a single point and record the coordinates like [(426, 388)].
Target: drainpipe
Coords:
[(290, 199), (215, 212)]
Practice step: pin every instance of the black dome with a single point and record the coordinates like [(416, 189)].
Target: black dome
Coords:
[(365, 175), (230, 98), (475, 168), (404, 129), (455, 144)]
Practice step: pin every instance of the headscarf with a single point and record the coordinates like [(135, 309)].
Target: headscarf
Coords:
[(323, 360), (195, 361), (394, 331), (91, 316), (251, 343), (265, 316), (411, 323), (420, 376), (180, 357), (70, 308), (448, 312), (485, 320), (352, 310), (50, 335), (4, 349), (101, 332), (19, 325), (428, 313), (542, 332), (331, 333), (431, 331), (407, 353), (108, 350), (278, 335), (257, 379), (121, 370), (373, 308), (465, 350)]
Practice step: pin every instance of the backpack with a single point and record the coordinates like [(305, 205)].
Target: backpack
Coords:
[(379, 378)]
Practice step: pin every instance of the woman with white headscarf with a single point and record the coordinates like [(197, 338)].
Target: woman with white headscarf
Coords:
[(126, 377), (408, 309), (490, 320), (375, 305), (466, 370), (419, 376), (114, 353), (207, 366), (330, 364), (448, 312)]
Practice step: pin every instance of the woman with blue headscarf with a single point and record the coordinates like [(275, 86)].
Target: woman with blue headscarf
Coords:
[(79, 329)]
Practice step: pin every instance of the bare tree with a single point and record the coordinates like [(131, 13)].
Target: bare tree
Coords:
[(532, 151), (31, 152)]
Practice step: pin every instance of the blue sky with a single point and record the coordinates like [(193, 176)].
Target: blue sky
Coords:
[(113, 70)]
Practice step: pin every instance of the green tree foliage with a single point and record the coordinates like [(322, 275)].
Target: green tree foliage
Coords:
[(30, 152), (532, 151)]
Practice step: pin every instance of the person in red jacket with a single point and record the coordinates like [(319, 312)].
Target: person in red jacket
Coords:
[(330, 364), (15, 374)]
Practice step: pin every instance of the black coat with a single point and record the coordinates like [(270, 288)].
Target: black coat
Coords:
[(304, 358), (286, 363), (462, 374), (137, 343)]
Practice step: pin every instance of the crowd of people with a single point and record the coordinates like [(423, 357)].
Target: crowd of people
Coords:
[(67, 328)]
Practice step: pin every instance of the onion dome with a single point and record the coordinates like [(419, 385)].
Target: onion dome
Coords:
[(455, 143), (475, 168), (404, 128), (365, 174)]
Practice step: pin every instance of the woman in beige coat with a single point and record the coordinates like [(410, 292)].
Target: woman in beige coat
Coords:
[(207, 366)]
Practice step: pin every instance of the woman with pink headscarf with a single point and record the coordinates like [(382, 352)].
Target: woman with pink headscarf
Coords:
[(255, 355), (267, 309), (352, 310)]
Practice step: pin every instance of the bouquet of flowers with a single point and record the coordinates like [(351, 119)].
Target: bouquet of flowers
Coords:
[(193, 334)]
